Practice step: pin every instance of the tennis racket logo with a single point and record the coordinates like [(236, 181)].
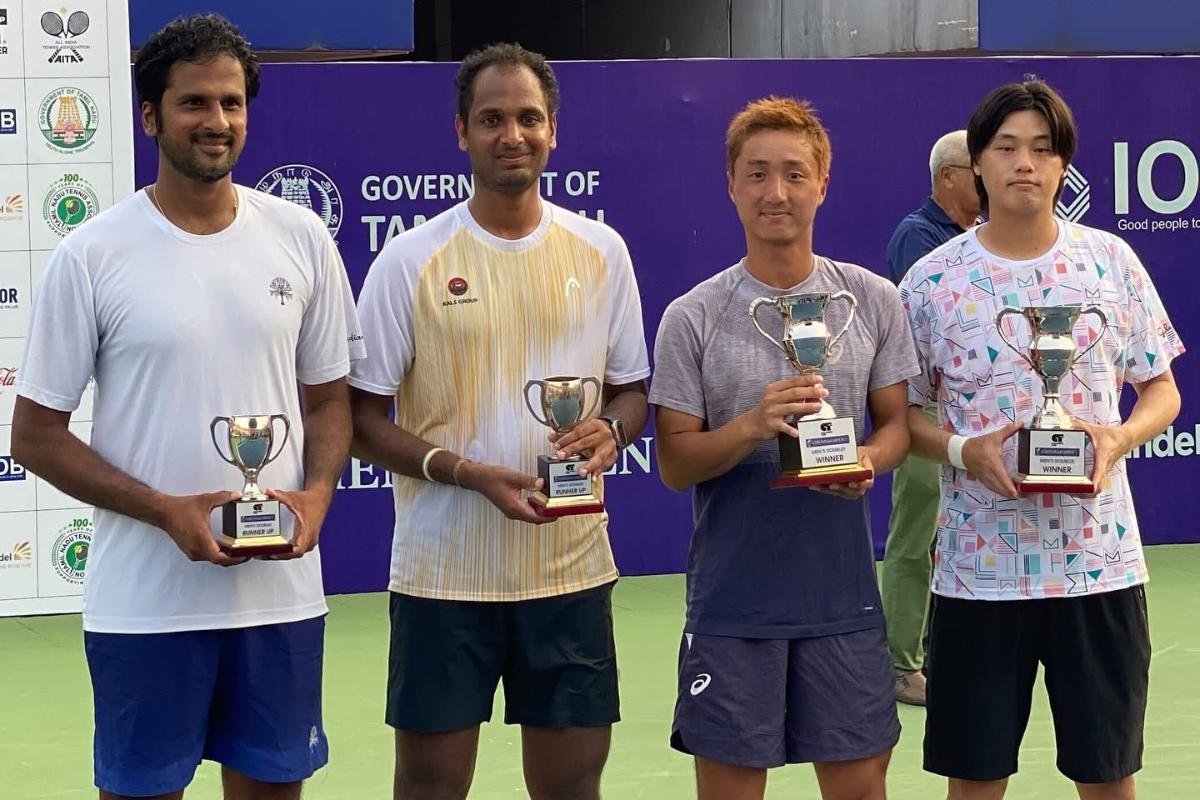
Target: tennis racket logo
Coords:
[(66, 30)]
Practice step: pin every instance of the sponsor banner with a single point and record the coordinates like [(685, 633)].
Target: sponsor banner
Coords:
[(66, 152), (640, 146)]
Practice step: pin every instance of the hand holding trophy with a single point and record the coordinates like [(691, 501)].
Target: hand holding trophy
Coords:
[(561, 404), (826, 451), (1050, 451)]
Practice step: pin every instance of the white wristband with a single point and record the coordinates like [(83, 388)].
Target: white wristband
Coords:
[(954, 450), (433, 451)]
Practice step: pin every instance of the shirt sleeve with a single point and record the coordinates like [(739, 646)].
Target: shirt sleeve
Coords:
[(914, 298), (385, 307), (678, 382), (627, 359), (895, 357), (330, 337), (1153, 341), (63, 337), (909, 245)]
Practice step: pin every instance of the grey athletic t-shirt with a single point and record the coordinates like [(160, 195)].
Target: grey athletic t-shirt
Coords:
[(785, 563)]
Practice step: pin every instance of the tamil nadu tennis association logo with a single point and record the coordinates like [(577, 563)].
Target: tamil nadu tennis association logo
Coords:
[(1076, 197), (68, 119), (70, 551), (70, 202), (309, 188)]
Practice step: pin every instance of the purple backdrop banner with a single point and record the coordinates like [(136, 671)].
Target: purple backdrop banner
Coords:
[(372, 148)]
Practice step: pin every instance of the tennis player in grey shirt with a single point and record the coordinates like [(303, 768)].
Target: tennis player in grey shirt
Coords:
[(784, 657)]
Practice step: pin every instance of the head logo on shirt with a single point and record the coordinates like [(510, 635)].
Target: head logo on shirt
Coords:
[(282, 289)]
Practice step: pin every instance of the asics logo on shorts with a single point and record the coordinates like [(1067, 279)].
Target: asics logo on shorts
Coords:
[(701, 683)]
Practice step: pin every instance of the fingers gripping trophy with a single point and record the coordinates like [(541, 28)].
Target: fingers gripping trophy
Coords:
[(562, 405), (1050, 450), (250, 525), (826, 450)]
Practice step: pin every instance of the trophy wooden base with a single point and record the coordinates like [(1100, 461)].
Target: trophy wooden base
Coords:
[(1056, 484), (251, 528), (565, 506), (256, 546), (823, 476)]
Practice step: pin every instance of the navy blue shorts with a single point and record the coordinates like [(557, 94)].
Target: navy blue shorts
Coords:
[(249, 698), (767, 702)]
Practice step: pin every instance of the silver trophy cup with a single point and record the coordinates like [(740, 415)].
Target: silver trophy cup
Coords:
[(1050, 454), (561, 404), (251, 524), (805, 338), (826, 450)]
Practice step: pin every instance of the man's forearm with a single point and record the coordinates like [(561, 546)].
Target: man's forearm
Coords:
[(62, 459), (927, 440), (688, 458), (1156, 407), (327, 435), (888, 445), (631, 408)]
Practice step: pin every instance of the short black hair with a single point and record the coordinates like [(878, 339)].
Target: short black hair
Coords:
[(1029, 95), (196, 39), (504, 54)]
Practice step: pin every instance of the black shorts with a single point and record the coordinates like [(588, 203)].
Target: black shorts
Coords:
[(556, 656), (983, 661)]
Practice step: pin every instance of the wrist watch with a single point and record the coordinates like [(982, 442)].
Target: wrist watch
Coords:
[(618, 431)]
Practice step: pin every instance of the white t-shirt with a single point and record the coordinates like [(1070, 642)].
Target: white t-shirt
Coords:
[(1036, 546), (177, 329), (459, 320)]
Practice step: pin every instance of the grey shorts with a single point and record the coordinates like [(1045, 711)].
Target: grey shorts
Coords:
[(768, 702)]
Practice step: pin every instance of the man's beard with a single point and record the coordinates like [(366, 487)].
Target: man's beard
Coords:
[(189, 166)]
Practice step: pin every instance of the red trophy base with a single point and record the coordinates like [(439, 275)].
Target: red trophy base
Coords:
[(824, 476), (1056, 484), (564, 506)]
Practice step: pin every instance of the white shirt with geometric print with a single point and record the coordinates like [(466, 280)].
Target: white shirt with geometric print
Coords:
[(1038, 545)]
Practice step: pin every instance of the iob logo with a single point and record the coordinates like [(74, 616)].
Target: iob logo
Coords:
[(10, 470), (8, 120)]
